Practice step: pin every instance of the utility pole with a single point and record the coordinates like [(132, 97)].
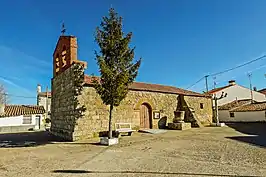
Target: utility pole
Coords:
[(250, 86), (215, 103), (214, 82), (206, 83), (216, 113), (216, 110), (46, 103)]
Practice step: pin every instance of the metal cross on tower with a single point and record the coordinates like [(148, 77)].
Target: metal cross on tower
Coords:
[(63, 29)]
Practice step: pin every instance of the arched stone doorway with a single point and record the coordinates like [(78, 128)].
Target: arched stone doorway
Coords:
[(145, 116)]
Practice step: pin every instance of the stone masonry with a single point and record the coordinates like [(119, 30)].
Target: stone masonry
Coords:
[(77, 111), (95, 119), (65, 109), (71, 122)]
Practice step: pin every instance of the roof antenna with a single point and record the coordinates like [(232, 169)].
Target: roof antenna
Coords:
[(63, 29)]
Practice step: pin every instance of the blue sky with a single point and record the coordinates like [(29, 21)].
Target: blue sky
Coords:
[(179, 41)]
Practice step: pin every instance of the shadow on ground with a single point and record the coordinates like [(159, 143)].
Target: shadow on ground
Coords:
[(141, 172), (27, 139), (256, 133)]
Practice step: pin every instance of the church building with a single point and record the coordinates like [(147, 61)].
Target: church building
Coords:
[(77, 111)]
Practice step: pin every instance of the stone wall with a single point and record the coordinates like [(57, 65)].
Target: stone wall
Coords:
[(95, 118), (204, 115), (77, 111), (65, 109)]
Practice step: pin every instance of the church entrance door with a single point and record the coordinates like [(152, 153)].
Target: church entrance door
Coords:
[(145, 116)]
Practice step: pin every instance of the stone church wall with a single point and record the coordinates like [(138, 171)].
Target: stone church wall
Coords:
[(96, 115), (77, 111), (65, 108), (205, 115), (95, 118)]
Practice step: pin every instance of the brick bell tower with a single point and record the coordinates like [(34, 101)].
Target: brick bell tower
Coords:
[(65, 53), (64, 109)]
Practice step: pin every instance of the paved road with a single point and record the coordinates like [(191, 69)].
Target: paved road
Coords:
[(238, 150)]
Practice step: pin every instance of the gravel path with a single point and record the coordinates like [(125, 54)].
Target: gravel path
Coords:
[(228, 151)]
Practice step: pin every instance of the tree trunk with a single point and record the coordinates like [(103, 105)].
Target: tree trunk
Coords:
[(110, 122)]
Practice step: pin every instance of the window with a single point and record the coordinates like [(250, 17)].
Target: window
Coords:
[(57, 63), (64, 56), (27, 120), (232, 114), (201, 105)]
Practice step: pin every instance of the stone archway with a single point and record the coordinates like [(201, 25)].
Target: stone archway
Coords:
[(145, 116), (144, 101)]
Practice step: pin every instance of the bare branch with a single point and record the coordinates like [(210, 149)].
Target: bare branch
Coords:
[(2, 94)]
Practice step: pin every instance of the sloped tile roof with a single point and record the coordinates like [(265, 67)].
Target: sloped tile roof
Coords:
[(17, 110), (43, 94), (263, 91), (218, 89), (140, 86), (258, 106), (234, 104)]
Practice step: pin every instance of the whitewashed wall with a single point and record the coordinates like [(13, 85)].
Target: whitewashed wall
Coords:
[(240, 93), (11, 121), (224, 116), (42, 102), (250, 116), (18, 120)]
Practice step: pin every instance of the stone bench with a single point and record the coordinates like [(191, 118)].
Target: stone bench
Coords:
[(123, 128)]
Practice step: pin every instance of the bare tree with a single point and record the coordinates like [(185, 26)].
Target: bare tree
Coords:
[(2, 94)]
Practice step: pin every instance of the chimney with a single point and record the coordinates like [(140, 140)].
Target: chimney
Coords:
[(2, 108), (254, 88), (232, 82), (39, 88)]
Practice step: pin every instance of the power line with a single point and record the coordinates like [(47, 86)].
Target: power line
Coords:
[(19, 96), (239, 66), (196, 82), (227, 70)]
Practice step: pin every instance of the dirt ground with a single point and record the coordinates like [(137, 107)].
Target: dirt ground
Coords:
[(236, 150)]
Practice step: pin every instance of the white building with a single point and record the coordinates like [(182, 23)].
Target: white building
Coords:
[(20, 117), (236, 92), (242, 111), (44, 99)]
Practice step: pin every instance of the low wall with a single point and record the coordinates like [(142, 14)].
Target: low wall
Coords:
[(14, 129), (255, 116), (11, 121), (18, 121)]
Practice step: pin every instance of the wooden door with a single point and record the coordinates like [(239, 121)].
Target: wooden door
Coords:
[(145, 116), (37, 122)]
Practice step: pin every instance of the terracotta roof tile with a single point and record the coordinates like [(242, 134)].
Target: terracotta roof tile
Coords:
[(153, 88), (43, 94), (234, 104), (17, 110), (258, 106), (218, 89), (263, 91)]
